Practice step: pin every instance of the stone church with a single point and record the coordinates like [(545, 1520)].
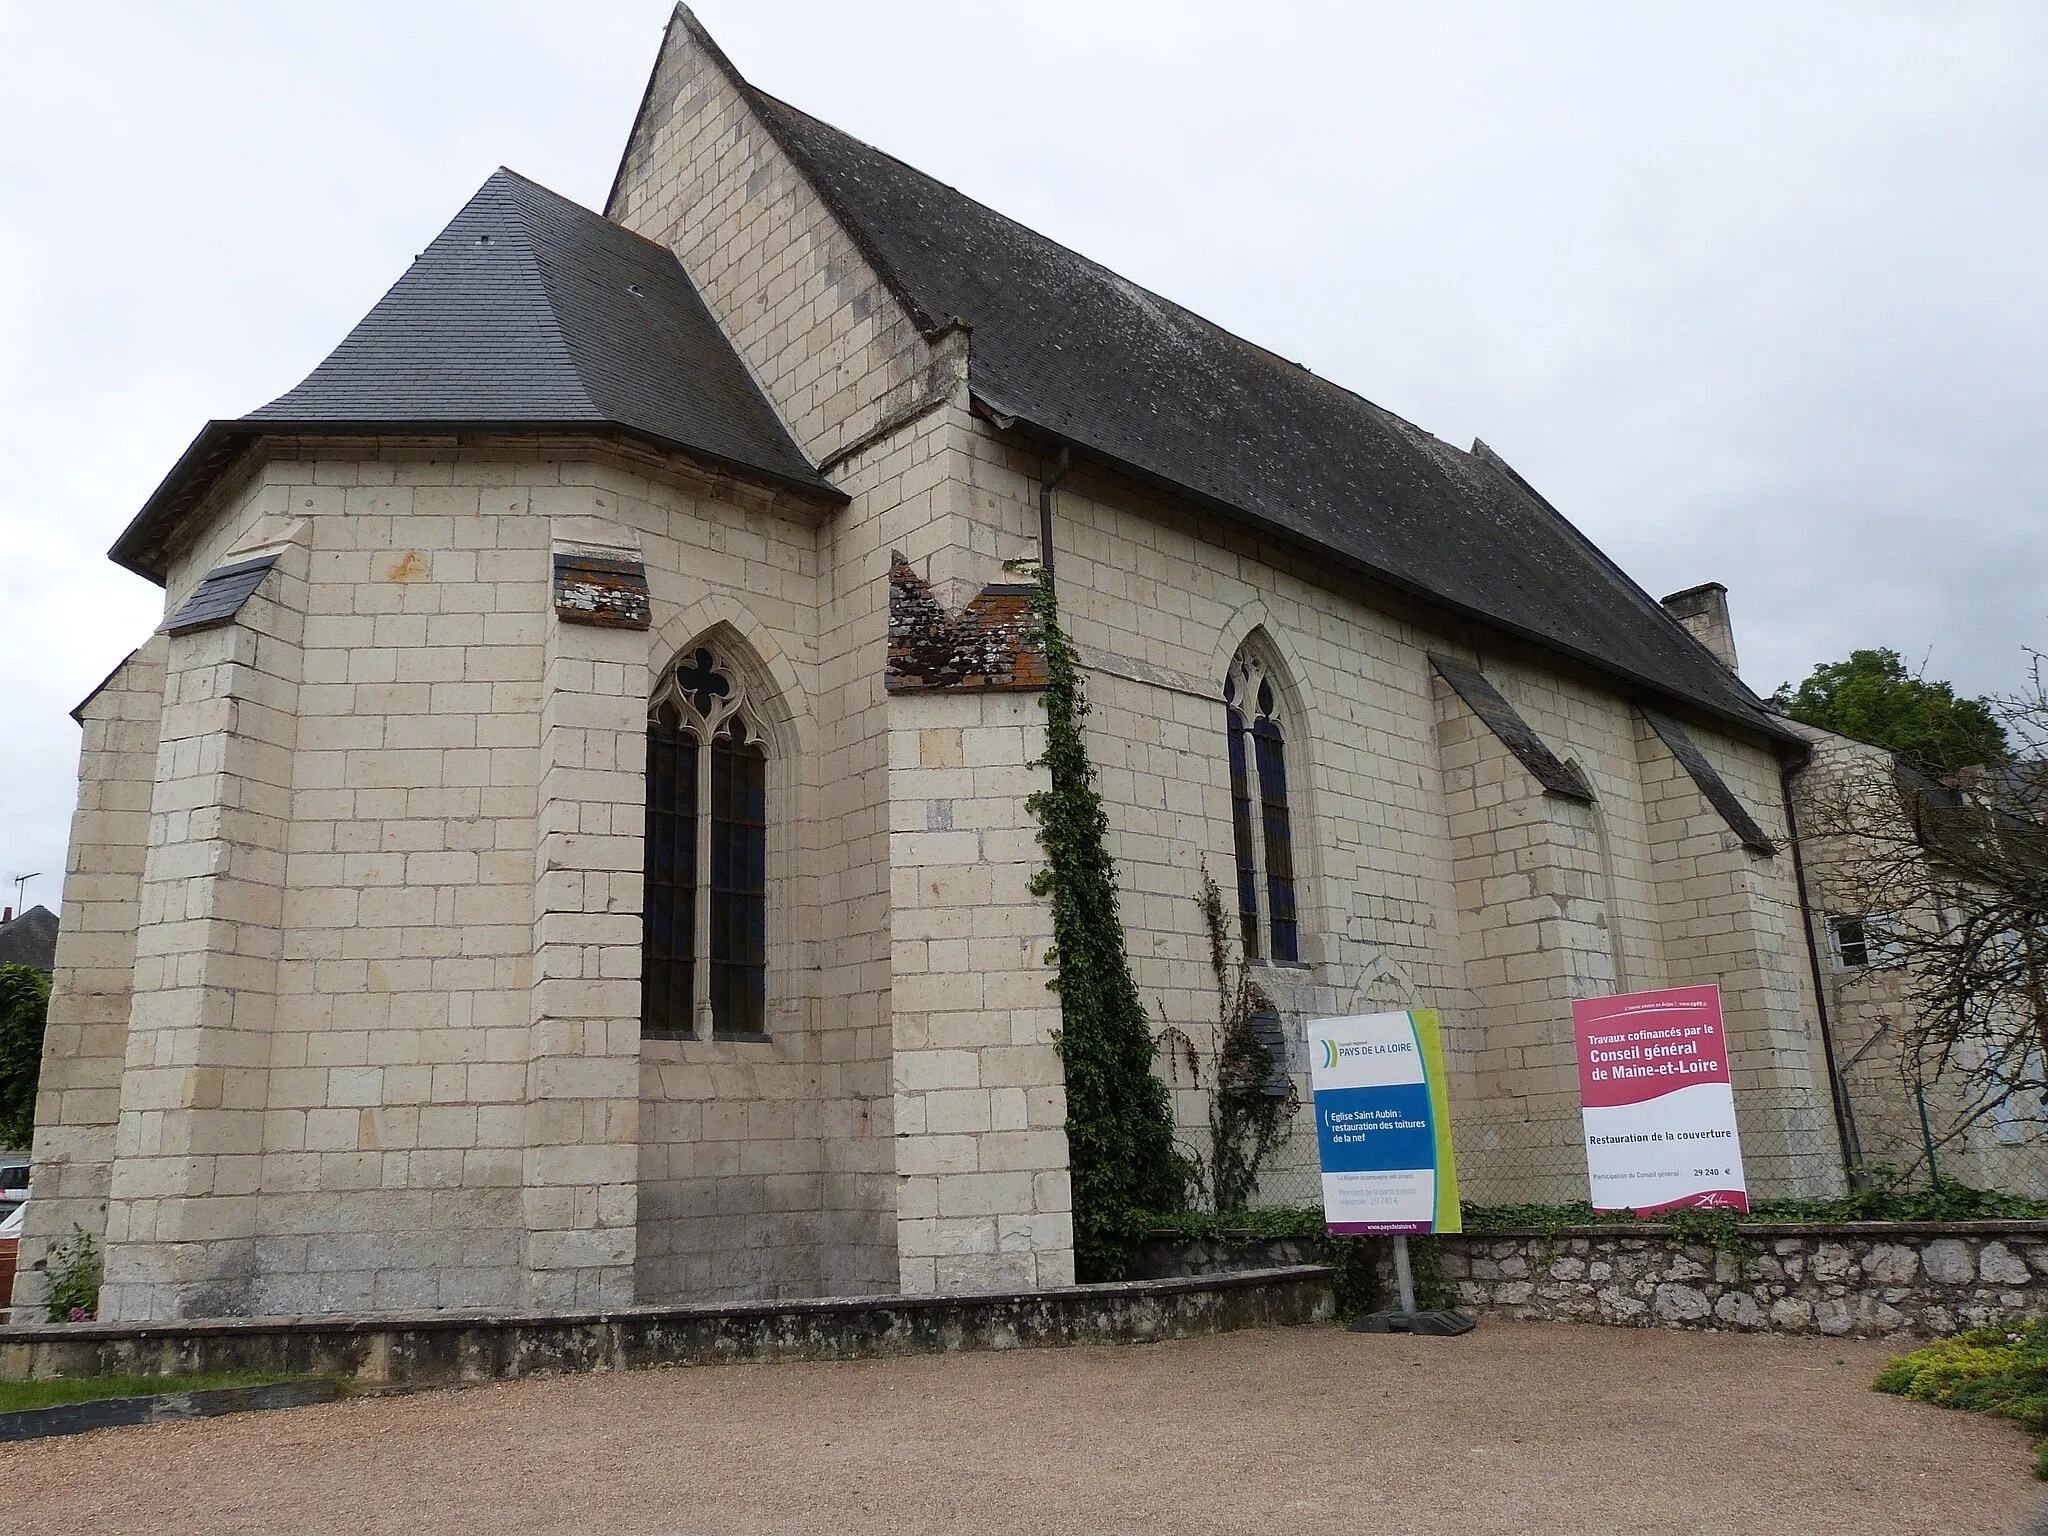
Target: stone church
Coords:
[(567, 846)]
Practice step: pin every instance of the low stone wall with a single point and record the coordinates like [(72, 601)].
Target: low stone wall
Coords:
[(1864, 1279), (443, 1348)]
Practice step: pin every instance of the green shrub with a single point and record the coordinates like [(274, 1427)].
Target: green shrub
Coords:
[(1999, 1371)]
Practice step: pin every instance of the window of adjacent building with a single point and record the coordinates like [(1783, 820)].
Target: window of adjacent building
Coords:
[(2017, 1116), (1858, 943), (704, 925), (1262, 825)]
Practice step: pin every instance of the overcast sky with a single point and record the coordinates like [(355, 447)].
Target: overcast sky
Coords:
[(1752, 292)]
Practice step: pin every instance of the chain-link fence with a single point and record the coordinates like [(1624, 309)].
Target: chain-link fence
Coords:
[(1533, 1152), (1916, 1134)]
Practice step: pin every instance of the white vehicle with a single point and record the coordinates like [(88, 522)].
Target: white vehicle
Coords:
[(13, 1181)]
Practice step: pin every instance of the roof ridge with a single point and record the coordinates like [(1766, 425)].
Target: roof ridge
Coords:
[(884, 267)]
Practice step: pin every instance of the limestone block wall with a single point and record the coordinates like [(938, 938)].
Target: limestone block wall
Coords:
[(983, 1199), (1531, 892), (769, 1168), (181, 1221), (763, 1162), (392, 1168), (455, 1108), (78, 1103), (884, 410), (580, 1205), (1731, 916), (1431, 872)]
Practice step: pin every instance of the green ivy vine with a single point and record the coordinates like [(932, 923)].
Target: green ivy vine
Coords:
[(1120, 1134), (1246, 1123)]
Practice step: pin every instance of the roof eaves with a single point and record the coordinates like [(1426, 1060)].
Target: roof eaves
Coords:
[(1009, 418), (78, 709), (141, 548)]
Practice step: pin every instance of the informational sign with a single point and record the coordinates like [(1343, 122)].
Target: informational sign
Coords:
[(1658, 1105), (1383, 1123)]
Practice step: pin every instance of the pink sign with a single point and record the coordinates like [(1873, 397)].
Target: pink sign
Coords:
[(1657, 1102)]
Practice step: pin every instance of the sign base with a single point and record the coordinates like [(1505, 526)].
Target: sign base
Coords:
[(1441, 1323)]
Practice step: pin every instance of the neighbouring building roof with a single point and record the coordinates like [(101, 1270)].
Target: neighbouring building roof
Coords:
[(1068, 348), (528, 312), (31, 939)]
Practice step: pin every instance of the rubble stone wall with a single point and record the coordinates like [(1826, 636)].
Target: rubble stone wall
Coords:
[(1862, 1280)]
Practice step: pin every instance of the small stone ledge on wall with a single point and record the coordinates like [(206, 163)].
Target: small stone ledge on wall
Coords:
[(441, 1349), (1861, 1280)]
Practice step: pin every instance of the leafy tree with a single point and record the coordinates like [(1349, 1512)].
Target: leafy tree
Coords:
[(1873, 698), (24, 1004)]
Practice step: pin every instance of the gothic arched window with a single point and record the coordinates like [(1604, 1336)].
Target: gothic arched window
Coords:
[(1262, 827), (704, 924)]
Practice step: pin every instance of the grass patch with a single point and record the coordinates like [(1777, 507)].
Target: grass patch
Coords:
[(1999, 1371), (15, 1396)]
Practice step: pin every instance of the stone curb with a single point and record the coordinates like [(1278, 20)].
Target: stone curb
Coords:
[(343, 1322), (444, 1348), (159, 1408)]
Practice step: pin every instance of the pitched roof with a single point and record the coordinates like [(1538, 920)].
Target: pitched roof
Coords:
[(528, 312), (1083, 356), (31, 939)]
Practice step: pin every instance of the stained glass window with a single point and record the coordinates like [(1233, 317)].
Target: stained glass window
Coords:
[(1279, 832), (704, 949), (1263, 839), (739, 887), (669, 923), (1241, 833)]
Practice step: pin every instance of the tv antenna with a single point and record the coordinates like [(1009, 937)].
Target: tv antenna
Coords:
[(20, 882)]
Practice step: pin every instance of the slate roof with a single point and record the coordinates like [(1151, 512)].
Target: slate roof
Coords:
[(31, 939), (528, 312), (1085, 357)]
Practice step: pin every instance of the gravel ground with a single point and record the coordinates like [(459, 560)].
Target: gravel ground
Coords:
[(1514, 1428)]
